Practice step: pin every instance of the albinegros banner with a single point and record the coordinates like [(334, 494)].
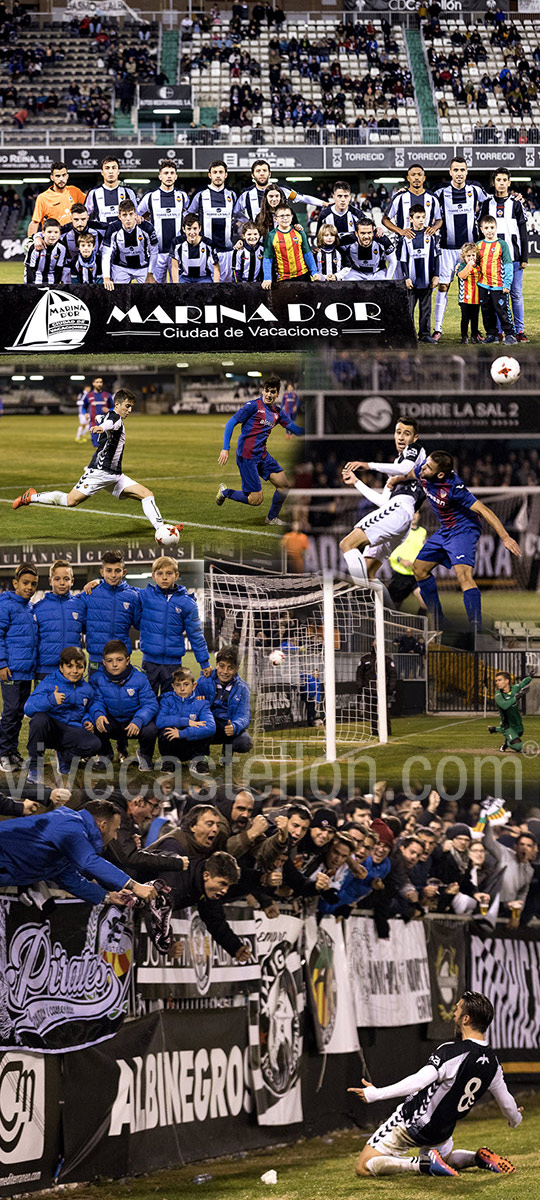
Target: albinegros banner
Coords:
[(390, 976), (64, 981), (276, 1022), (224, 317), (329, 987), (509, 967), (203, 968)]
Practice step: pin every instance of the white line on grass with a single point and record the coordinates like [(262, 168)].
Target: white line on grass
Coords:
[(404, 738), (99, 512)]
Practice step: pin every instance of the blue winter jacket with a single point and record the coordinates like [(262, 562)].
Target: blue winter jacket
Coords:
[(76, 707), (127, 698), (18, 636), (166, 618), (110, 613), (175, 711), (238, 706), (60, 622), (353, 889), (64, 846)]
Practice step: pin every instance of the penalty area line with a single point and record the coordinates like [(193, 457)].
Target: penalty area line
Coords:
[(102, 512)]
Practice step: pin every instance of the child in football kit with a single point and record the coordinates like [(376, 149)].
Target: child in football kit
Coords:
[(47, 262), (247, 263), (184, 721), (495, 277), (123, 705), (507, 698), (329, 259), (85, 268), (130, 250), (18, 656), (468, 297), (420, 264), (60, 715), (192, 260)]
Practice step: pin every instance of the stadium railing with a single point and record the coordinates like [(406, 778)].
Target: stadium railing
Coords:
[(74, 135)]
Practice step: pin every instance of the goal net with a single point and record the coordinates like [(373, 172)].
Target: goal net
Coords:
[(300, 641)]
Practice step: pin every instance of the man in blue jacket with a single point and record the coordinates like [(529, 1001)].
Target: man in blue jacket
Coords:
[(169, 615), (60, 715), (18, 654), (124, 704), (228, 696), (66, 847), (185, 722), (60, 618)]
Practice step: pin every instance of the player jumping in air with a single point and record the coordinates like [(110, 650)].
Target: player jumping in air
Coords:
[(104, 471), (375, 537), (456, 1075), (257, 419), (454, 543), (507, 701)]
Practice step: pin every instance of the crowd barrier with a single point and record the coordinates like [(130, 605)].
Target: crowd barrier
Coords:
[(224, 1056)]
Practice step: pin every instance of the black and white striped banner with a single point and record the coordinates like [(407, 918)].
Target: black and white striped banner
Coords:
[(506, 969), (276, 1022)]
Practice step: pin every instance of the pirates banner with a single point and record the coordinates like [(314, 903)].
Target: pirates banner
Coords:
[(203, 968), (156, 318), (328, 987), (63, 981), (276, 1022), (390, 976), (446, 955)]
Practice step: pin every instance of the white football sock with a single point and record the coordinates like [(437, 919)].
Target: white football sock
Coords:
[(385, 1164), (441, 300), (356, 564), (151, 510), (50, 498), (460, 1159)]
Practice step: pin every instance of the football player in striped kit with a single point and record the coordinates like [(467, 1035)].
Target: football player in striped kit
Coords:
[(421, 267), (257, 419), (165, 208), (340, 213), (512, 229), (102, 202), (375, 537), (81, 222), (130, 250), (248, 204), (248, 260), (192, 260), (104, 471), (435, 1098), (214, 207), (397, 215), (48, 263), (370, 256), (459, 203)]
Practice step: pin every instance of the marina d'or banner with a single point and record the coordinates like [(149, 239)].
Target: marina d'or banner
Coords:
[(223, 317), (64, 980)]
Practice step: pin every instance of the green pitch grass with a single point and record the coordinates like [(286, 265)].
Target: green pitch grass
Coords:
[(174, 456), (319, 1170), (12, 272)]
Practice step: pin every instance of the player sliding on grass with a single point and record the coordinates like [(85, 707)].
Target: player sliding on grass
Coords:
[(454, 543), (457, 1074), (507, 701), (104, 471), (257, 419), (376, 536)]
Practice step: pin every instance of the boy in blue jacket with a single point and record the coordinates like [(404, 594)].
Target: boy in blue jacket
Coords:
[(18, 656), (112, 608), (229, 699), (60, 715), (124, 704), (185, 721), (60, 618), (169, 615)]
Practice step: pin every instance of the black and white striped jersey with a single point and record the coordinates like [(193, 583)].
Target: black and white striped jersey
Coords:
[(86, 270), (195, 262), (134, 249), (49, 265), (215, 209), (345, 223), (368, 259), (329, 261), (165, 211), (459, 207), (249, 203), (247, 263), (399, 209), (110, 448), (511, 225), (69, 236), (102, 202), (465, 1070), (402, 464)]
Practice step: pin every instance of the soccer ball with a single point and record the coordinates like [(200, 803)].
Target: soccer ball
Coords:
[(505, 370), (276, 658), (167, 535)]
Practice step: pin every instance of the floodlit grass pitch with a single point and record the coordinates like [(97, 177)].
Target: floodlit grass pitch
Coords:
[(12, 272), (321, 1170), (175, 456)]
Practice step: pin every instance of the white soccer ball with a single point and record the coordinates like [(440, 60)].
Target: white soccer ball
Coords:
[(505, 370), (276, 658), (167, 535)]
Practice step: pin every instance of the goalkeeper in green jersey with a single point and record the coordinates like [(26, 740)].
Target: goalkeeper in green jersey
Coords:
[(507, 701)]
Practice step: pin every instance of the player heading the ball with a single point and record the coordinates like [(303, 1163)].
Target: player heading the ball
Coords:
[(104, 471)]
